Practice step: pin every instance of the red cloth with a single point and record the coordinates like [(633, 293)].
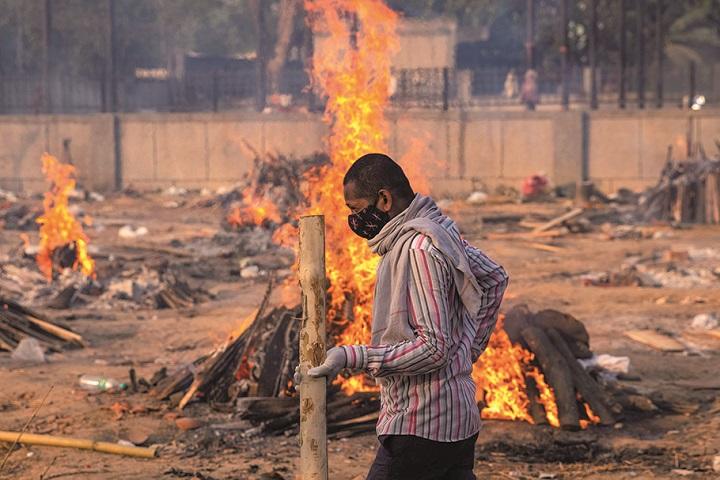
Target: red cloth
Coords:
[(534, 185)]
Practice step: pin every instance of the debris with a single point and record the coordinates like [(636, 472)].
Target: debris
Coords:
[(128, 231), (96, 197), (682, 472), (676, 256), (251, 271), (477, 198), (193, 475), (559, 220), (172, 190), (687, 192), (716, 463), (188, 423), (705, 321), (535, 186), (607, 362), (29, 350), (83, 444), (96, 383), (656, 340), (18, 322)]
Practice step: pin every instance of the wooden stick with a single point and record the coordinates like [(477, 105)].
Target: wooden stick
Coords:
[(313, 422), (545, 247), (655, 340), (80, 443), (25, 427), (58, 331), (559, 220)]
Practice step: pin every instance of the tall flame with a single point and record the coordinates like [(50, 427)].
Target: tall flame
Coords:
[(58, 226), (352, 68)]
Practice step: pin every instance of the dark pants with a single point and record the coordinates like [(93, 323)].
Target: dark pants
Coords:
[(401, 457)]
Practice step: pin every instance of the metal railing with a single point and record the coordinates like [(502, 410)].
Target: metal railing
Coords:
[(431, 88)]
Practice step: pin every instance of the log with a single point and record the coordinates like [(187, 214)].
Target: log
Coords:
[(313, 429), (273, 376), (263, 408), (712, 198), (584, 383), (545, 247), (80, 443), (559, 220), (517, 319), (700, 202), (566, 324), (536, 409), (655, 340), (558, 375)]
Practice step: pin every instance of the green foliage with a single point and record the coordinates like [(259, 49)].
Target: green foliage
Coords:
[(152, 33)]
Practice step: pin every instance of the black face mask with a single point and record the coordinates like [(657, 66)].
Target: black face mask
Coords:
[(368, 222)]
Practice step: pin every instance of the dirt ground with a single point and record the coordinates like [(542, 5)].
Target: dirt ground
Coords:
[(664, 445)]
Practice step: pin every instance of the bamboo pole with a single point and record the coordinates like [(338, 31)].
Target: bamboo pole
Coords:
[(80, 443), (313, 428)]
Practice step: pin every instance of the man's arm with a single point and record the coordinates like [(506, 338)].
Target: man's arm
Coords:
[(493, 280), (428, 284)]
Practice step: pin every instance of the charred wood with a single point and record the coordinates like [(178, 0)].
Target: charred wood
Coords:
[(558, 375)]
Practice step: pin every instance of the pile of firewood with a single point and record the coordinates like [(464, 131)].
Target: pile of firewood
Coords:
[(688, 192), (258, 362), (18, 322), (558, 340), (251, 375)]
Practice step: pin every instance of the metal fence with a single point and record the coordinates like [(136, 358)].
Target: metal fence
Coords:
[(433, 88)]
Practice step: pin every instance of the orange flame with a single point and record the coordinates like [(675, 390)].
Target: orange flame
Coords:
[(352, 67), (58, 227), (500, 375), (254, 210)]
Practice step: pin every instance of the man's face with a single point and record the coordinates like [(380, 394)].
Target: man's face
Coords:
[(356, 203)]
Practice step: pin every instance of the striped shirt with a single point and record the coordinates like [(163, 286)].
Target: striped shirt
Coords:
[(426, 384)]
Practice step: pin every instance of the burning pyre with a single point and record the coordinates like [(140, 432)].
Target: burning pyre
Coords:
[(59, 229), (353, 71)]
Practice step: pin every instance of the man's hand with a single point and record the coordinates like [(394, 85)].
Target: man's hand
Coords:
[(335, 361)]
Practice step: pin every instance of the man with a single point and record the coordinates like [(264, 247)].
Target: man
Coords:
[(435, 305)]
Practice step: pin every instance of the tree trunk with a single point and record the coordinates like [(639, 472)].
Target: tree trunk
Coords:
[(284, 32)]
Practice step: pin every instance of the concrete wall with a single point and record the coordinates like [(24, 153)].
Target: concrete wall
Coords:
[(25, 138), (453, 152), (197, 150)]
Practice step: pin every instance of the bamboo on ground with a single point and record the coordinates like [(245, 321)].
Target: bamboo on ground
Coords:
[(81, 443), (313, 429)]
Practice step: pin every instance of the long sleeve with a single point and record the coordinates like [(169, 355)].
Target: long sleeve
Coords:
[(428, 293), (493, 280)]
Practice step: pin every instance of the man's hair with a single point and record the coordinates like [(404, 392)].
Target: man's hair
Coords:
[(375, 171)]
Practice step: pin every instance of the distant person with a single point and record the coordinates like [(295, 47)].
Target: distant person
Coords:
[(435, 305), (511, 87), (530, 95)]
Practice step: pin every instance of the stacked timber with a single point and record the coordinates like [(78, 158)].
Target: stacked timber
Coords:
[(18, 322), (687, 192), (558, 340)]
